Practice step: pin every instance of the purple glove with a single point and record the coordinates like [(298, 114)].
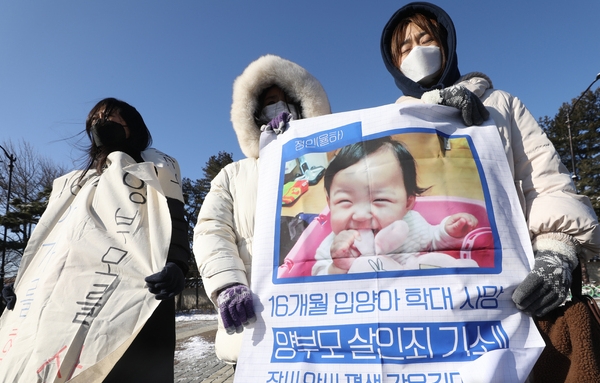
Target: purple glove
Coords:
[(278, 124), (8, 293), (236, 308), (167, 283)]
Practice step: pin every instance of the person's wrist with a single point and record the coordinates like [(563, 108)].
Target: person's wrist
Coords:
[(567, 251), (226, 288)]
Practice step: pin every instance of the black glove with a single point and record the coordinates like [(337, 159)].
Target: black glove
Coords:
[(9, 296), (236, 308), (547, 284), (472, 110), (167, 283)]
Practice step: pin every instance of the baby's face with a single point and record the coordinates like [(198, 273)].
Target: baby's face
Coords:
[(369, 194)]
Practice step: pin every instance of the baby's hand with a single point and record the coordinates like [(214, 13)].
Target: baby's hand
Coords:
[(460, 224), (390, 238), (343, 251)]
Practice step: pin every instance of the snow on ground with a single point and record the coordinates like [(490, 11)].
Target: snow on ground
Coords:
[(194, 316), (193, 349)]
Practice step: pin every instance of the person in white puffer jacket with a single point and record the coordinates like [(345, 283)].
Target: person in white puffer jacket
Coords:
[(418, 46), (271, 90)]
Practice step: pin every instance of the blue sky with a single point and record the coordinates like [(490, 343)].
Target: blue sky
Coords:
[(176, 61)]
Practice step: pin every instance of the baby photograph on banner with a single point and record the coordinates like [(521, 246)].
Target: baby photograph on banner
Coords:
[(408, 201)]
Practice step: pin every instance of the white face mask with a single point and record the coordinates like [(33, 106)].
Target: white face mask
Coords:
[(422, 64), (271, 111)]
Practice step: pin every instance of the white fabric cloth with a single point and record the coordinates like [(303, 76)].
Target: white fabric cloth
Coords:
[(81, 295)]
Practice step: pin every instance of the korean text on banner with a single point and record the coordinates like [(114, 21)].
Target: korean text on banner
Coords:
[(419, 288)]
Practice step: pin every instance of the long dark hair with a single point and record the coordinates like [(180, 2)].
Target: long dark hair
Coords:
[(139, 136), (351, 154)]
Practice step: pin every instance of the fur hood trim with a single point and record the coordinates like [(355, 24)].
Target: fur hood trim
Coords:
[(270, 70)]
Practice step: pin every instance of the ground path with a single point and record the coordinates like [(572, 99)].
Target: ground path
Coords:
[(206, 369)]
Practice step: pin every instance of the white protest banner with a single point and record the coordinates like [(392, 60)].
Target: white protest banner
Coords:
[(81, 295), (421, 292)]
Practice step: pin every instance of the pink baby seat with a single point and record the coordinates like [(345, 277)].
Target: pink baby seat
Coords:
[(477, 245)]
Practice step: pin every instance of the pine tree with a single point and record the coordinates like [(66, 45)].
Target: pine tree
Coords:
[(194, 193)]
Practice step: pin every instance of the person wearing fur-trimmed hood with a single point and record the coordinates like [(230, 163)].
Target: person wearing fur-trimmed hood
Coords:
[(269, 92), (418, 46)]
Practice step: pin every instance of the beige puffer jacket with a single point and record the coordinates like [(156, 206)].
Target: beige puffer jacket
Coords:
[(225, 228), (552, 208)]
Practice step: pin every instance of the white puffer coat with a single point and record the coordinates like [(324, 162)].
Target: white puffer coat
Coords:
[(551, 207), (225, 227)]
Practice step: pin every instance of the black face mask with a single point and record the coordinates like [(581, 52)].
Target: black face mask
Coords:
[(108, 133)]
